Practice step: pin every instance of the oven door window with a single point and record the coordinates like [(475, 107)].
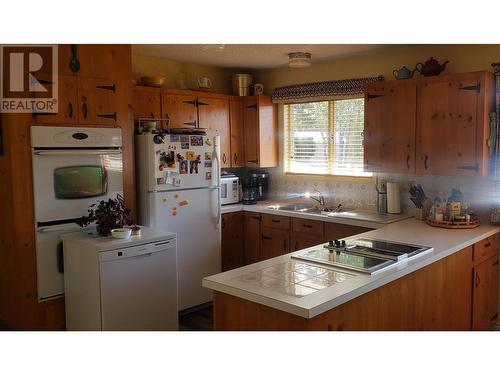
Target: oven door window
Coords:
[(81, 181), (223, 190)]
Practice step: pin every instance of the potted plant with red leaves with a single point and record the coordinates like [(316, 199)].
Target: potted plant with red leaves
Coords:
[(107, 215)]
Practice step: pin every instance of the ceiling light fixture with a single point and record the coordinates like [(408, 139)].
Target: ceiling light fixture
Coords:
[(299, 59)]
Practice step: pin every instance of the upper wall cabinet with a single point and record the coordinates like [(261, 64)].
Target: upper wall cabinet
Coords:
[(213, 114), (453, 131), (430, 125), (237, 132), (260, 131), (180, 109), (147, 102), (389, 134)]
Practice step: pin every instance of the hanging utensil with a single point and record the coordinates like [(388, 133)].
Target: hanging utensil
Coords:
[(74, 64)]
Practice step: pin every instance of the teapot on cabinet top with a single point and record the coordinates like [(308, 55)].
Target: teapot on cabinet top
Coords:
[(403, 73), (431, 67)]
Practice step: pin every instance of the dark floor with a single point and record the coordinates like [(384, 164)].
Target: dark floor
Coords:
[(199, 320)]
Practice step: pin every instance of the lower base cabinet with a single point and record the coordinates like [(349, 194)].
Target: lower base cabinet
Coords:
[(232, 254), (436, 297), (485, 284), (249, 237)]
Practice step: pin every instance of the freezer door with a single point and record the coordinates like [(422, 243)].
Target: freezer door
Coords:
[(194, 215), (139, 288), (185, 161)]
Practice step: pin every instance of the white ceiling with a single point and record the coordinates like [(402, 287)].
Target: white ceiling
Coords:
[(253, 56)]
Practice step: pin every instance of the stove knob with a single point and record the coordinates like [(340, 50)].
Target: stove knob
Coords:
[(337, 243), (343, 243), (331, 244)]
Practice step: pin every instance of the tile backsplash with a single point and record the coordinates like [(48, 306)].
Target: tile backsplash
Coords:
[(481, 193)]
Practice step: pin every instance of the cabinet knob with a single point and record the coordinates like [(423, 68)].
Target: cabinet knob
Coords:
[(426, 161), (70, 110)]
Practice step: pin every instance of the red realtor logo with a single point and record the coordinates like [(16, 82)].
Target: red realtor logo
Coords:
[(28, 79)]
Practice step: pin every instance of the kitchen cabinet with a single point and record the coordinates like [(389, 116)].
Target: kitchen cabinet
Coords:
[(83, 100), (275, 236), (275, 242), (454, 124), (485, 284), (389, 133), (147, 102), (96, 101), (429, 125), (252, 237), (180, 109), (260, 129), (299, 241), (67, 112), (334, 231), (232, 253), (237, 132), (213, 114)]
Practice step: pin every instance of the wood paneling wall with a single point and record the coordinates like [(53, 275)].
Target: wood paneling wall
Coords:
[(19, 308)]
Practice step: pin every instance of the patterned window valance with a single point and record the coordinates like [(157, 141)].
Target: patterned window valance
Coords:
[(322, 90)]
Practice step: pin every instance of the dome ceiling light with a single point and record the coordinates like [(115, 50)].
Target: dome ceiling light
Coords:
[(299, 59)]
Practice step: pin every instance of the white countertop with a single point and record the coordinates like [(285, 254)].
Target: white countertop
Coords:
[(444, 241), (91, 239), (358, 218)]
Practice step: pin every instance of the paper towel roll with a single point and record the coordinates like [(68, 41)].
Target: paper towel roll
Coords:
[(393, 198)]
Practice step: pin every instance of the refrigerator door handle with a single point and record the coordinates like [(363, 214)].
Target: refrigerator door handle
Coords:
[(217, 183)]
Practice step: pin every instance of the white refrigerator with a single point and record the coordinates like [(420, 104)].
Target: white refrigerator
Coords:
[(178, 191)]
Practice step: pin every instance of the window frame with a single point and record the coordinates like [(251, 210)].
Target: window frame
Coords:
[(284, 152)]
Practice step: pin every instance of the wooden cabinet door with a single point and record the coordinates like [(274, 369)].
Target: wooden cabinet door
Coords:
[(448, 128), (334, 231), (275, 242), (67, 112), (147, 102), (96, 101), (251, 132), (96, 60), (232, 253), (180, 110), (213, 114), (481, 319), (237, 132), (389, 133), (268, 132), (252, 237), (299, 241), (493, 300)]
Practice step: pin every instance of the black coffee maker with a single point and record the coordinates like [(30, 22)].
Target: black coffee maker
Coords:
[(255, 186)]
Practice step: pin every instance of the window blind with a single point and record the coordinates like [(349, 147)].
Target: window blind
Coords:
[(325, 137)]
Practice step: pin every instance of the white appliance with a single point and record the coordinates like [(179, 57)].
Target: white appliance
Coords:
[(121, 284), (229, 192), (178, 190), (72, 168)]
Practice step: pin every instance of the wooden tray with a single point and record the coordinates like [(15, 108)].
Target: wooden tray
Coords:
[(473, 223)]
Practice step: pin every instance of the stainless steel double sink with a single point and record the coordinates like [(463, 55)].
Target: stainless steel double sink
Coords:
[(310, 209)]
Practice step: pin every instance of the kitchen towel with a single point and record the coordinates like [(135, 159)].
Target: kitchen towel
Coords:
[(393, 198)]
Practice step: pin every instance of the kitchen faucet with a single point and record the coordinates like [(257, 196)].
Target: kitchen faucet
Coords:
[(320, 199)]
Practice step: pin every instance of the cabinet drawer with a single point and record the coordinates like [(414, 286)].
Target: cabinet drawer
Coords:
[(311, 227), (276, 221), (334, 231), (486, 248)]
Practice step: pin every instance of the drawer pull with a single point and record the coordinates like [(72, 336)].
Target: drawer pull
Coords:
[(284, 247), (307, 225), (496, 263), (275, 221), (255, 217), (266, 238), (487, 244)]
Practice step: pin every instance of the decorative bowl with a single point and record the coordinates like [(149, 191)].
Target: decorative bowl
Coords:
[(156, 81), (122, 233)]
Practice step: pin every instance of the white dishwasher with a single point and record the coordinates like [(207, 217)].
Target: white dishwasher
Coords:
[(115, 284)]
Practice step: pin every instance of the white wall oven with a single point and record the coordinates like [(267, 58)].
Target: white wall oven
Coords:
[(72, 169)]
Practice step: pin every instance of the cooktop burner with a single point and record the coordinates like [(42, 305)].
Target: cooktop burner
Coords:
[(362, 254)]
